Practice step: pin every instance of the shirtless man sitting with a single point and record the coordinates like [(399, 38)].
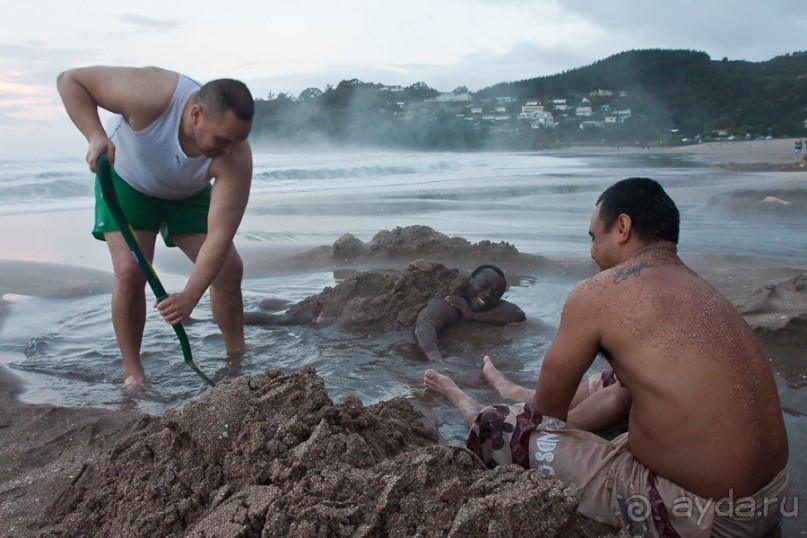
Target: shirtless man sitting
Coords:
[(706, 450)]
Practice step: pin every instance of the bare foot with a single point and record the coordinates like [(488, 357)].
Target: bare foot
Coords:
[(492, 375), (506, 388), (133, 385), (446, 387)]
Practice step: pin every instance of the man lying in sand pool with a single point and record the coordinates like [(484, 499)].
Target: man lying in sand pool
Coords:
[(478, 299), (706, 450), (482, 301)]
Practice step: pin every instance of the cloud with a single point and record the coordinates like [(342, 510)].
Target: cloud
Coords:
[(150, 23), (739, 31)]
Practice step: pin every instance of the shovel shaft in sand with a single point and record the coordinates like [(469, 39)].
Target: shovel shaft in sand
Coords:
[(111, 200)]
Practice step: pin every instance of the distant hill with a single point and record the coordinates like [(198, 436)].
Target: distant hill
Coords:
[(693, 92), (640, 96)]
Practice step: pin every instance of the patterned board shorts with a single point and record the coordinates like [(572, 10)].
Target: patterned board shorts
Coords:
[(616, 489)]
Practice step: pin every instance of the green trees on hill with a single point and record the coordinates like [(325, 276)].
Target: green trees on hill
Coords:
[(635, 97)]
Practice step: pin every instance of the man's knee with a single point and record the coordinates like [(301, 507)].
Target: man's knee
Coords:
[(129, 276), (231, 273)]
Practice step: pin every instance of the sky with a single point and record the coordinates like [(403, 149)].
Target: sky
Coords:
[(287, 46)]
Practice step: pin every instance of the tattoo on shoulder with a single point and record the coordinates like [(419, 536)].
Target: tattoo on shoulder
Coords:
[(624, 273)]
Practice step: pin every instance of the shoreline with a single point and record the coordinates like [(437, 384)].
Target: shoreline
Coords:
[(776, 155)]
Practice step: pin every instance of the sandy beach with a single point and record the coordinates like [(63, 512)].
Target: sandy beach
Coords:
[(272, 454)]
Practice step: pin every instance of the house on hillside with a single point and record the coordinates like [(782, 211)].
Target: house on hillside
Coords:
[(542, 119), (584, 111), (529, 109), (591, 124), (532, 106), (622, 115), (559, 104), (450, 97)]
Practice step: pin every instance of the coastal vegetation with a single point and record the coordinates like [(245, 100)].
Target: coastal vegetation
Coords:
[(642, 97)]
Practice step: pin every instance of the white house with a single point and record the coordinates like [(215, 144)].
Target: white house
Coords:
[(450, 97), (559, 104), (542, 119), (531, 106), (590, 124)]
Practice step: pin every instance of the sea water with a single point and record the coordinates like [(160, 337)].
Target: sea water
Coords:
[(65, 349)]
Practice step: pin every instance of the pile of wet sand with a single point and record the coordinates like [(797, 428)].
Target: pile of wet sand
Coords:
[(272, 455)]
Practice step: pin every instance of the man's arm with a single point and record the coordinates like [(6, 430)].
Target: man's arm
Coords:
[(140, 95), (571, 353), (228, 201), (501, 314), (430, 321)]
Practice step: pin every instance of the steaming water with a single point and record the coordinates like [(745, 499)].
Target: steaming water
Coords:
[(65, 348)]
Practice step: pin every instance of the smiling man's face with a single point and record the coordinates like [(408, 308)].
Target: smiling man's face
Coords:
[(484, 290)]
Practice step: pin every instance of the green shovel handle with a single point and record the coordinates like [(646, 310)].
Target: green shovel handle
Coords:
[(111, 199)]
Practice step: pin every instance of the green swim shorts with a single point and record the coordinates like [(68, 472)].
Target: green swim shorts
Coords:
[(146, 213)]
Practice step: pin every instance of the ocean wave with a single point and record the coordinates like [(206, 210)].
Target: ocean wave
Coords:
[(46, 206), (44, 194), (336, 173)]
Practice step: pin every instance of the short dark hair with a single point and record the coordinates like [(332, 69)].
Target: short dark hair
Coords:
[(492, 268), (653, 214), (225, 94)]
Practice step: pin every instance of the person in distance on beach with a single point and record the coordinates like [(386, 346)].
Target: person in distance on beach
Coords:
[(706, 448), (169, 138), (481, 301)]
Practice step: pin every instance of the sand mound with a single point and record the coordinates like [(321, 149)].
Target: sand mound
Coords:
[(418, 242), (774, 305), (379, 302), (271, 455), (396, 246), (43, 279), (422, 241), (773, 201)]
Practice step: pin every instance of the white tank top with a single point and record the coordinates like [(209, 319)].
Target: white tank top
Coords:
[(151, 160)]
